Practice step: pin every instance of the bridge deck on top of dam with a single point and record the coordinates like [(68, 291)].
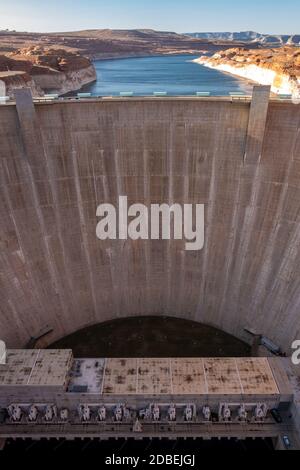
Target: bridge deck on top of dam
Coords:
[(59, 160), (96, 99)]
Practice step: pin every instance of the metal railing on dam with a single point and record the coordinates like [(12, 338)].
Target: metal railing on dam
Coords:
[(54, 98)]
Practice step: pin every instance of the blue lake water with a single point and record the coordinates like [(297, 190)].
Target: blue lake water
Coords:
[(176, 75)]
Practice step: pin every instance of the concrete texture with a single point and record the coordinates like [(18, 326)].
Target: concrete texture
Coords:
[(257, 124), (59, 161)]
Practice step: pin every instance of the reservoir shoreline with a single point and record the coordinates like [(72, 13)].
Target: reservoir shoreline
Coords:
[(175, 74), (250, 65)]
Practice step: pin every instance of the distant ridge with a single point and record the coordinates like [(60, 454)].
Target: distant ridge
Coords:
[(250, 36), (110, 43)]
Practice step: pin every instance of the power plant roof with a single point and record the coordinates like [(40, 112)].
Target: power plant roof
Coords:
[(144, 376), (32, 367), (177, 376)]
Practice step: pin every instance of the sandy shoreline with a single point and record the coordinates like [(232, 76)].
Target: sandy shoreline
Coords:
[(280, 83)]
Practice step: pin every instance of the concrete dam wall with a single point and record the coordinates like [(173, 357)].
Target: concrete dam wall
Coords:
[(58, 161)]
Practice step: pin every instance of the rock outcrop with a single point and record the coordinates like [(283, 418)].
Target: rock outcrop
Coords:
[(279, 68), (46, 70), (12, 80), (109, 43)]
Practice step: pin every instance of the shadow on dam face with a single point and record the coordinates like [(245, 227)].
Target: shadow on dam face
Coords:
[(59, 161), (152, 336)]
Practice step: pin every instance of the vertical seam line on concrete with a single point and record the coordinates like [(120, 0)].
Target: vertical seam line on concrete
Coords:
[(137, 374), (171, 379), (35, 361), (239, 377), (107, 197), (34, 193), (21, 245), (205, 378), (201, 300), (272, 374), (83, 230), (170, 166), (263, 113), (103, 378)]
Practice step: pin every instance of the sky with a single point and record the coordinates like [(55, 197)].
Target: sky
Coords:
[(264, 16)]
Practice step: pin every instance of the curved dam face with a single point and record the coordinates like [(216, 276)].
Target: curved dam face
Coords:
[(59, 161)]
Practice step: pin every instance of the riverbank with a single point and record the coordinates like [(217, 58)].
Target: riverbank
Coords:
[(45, 70), (278, 68)]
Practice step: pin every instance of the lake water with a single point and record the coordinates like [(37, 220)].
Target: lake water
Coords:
[(177, 75)]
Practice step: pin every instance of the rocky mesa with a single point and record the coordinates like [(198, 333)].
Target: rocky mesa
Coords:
[(278, 67), (45, 70), (112, 43)]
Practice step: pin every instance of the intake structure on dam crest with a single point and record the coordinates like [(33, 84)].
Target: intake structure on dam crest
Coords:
[(60, 160)]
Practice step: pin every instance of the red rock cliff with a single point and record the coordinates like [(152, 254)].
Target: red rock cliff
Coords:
[(54, 70)]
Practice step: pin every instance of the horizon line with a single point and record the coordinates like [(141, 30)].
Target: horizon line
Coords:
[(145, 29)]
